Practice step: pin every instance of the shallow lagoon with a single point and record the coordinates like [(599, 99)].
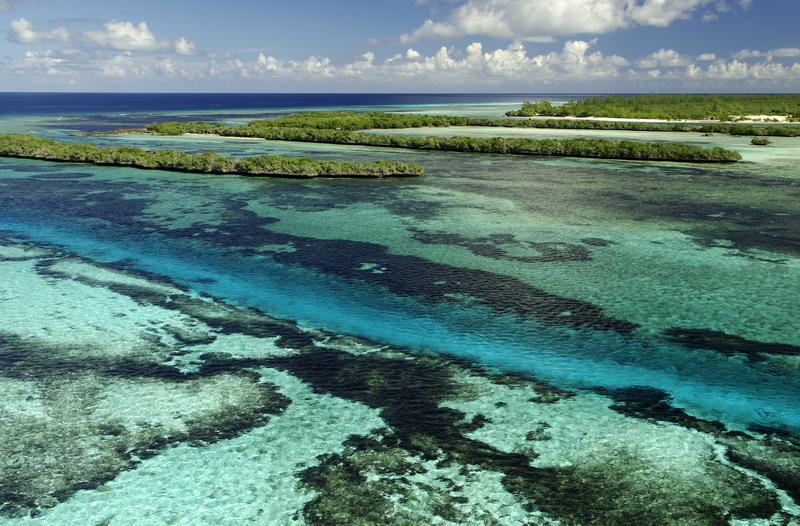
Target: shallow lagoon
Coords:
[(505, 339)]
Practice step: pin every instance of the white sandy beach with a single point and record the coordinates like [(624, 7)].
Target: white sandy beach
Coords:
[(745, 119)]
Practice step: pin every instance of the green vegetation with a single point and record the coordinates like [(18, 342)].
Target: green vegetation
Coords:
[(336, 128), (760, 141), (30, 147), (707, 128), (362, 121), (669, 107), (385, 121)]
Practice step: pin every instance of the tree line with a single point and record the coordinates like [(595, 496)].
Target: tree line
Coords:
[(362, 121), (723, 107), (334, 129), (30, 147)]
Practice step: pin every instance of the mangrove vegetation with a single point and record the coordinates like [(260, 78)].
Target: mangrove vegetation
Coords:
[(722, 107), (386, 121), (337, 128), (30, 147), (362, 121)]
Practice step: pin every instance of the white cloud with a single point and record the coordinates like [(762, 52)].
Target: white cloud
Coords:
[(662, 12), (23, 32), (445, 66), (728, 70), (120, 36), (784, 52), (747, 53), (541, 20), (740, 70), (575, 64), (745, 3), (663, 58), (129, 66), (184, 47), (47, 62), (710, 17), (65, 64), (125, 36)]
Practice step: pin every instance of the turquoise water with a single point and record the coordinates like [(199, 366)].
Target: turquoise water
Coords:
[(649, 310)]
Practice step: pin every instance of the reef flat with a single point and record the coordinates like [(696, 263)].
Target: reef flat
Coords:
[(150, 412)]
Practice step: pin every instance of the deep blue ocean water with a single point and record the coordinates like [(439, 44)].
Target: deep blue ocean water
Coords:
[(70, 103)]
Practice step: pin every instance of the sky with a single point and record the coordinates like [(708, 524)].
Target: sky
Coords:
[(531, 46)]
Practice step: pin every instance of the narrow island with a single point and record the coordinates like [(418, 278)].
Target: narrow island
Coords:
[(30, 147), (730, 114), (339, 128), (721, 107)]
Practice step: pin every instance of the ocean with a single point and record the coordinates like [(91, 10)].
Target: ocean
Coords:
[(505, 340)]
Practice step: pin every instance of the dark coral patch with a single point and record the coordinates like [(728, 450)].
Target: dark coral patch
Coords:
[(46, 460), (597, 242), (777, 458), (409, 394), (437, 282), (653, 404), (728, 344), (746, 225), (497, 246)]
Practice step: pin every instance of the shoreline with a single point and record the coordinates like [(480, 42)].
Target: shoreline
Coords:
[(759, 119)]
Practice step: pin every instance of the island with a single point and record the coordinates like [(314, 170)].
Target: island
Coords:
[(30, 147), (340, 128), (730, 114)]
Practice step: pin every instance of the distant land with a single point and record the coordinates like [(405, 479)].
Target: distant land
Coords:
[(716, 107), (339, 128)]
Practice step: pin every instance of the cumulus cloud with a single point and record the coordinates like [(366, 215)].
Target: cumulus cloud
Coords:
[(127, 37), (448, 65), (120, 36), (128, 66), (663, 58), (23, 32), (575, 63), (62, 65), (747, 53), (784, 52), (541, 20), (740, 70), (184, 47)]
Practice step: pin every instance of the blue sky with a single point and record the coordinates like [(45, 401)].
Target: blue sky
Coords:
[(400, 45)]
